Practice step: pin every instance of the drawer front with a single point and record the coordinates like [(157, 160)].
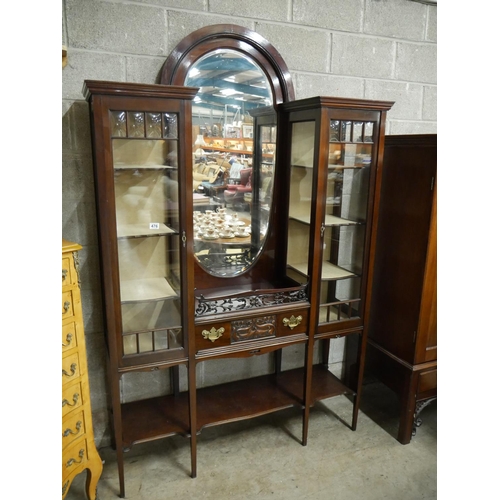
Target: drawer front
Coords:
[(73, 427), (70, 333), (427, 381), (69, 276), (74, 457), (68, 303), (71, 398), (71, 368), (256, 328), (292, 322), (213, 335)]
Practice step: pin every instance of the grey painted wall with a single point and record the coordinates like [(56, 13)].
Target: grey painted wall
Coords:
[(373, 49)]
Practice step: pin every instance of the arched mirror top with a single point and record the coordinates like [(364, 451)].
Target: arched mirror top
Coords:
[(218, 37)]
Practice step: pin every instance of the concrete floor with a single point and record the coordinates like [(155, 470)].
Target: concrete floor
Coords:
[(262, 458)]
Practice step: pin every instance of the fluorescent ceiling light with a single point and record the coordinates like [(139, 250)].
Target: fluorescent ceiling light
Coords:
[(230, 92)]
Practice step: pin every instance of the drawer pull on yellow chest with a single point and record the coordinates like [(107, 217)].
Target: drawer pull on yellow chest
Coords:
[(73, 370), (292, 322), (72, 461), (213, 334), (64, 273), (69, 338), (67, 304), (78, 427), (75, 400)]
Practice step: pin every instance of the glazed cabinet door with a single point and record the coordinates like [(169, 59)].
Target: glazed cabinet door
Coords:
[(140, 164), (332, 153)]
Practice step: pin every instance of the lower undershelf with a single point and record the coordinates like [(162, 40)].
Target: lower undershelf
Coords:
[(164, 416)]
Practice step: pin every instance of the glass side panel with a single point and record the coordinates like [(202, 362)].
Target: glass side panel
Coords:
[(348, 177), (301, 190), (147, 225)]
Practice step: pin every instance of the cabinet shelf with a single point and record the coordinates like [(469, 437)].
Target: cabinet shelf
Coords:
[(229, 402), (141, 230), (227, 150), (146, 289), (329, 271), (333, 166), (150, 316), (330, 220), (124, 166)]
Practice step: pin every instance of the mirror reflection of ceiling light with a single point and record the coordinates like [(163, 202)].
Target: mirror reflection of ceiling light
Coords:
[(193, 72), (230, 92)]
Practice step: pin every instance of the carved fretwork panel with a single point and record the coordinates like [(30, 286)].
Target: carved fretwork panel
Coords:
[(255, 328), (208, 306)]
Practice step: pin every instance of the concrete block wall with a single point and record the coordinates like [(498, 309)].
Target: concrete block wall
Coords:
[(373, 49)]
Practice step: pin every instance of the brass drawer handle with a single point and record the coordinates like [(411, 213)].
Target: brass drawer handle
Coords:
[(75, 400), (73, 370), (292, 322), (67, 304), (213, 334), (64, 274), (72, 461), (69, 338), (65, 487), (78, 427)]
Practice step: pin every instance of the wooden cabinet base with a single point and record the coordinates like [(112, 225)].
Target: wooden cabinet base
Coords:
[(415, 386)]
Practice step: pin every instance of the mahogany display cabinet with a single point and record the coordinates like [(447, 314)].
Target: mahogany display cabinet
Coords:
[(188, 282)]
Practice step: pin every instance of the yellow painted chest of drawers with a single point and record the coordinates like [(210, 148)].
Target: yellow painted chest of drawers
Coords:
[(78, 446)]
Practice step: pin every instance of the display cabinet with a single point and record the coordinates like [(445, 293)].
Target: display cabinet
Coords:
[(332, 148), (186, 283), (402, 348), (141, 145)]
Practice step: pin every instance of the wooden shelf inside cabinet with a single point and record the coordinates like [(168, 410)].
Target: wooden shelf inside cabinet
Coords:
[(146, 289), (142, 230), (228, 150), (329, 271), (330, 220), (126, 166), (229, 402)]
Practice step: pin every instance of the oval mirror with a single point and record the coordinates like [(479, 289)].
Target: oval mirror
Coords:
[(240, 76)]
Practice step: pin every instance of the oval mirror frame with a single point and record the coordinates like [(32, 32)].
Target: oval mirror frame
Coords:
[(211, 42)]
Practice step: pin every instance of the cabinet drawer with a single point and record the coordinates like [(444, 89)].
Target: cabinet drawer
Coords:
[(213, 335), (427, 381), (253, 328), (73, 427), (74, 457), (292, 322), (69, 276), (69, 303), (71, 368), (71, 398), (70, 333)]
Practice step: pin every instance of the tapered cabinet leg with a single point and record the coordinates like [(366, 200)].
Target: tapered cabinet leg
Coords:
[(93, 475)]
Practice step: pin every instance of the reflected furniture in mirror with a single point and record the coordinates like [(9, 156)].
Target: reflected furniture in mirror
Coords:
[(402, 343), (189, 276)]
